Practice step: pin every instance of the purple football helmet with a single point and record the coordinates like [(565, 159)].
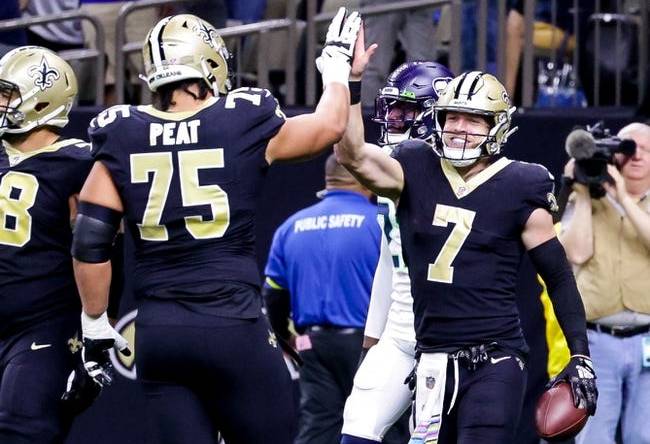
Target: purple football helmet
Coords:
[(403, 106)]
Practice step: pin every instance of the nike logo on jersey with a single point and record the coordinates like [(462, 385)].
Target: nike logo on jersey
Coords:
[(497, 360), (39, 346)]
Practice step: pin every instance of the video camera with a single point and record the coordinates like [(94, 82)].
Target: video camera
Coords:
[(593, 148)]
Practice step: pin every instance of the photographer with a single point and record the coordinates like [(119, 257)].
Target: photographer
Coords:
[(607, 239)]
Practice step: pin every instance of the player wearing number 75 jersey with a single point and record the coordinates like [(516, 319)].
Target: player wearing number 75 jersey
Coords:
[(185, 174), (40, 174), (467, 214)]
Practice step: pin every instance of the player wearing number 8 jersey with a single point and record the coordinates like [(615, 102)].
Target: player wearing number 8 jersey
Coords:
[(40, 175), (467, 214), (185, 174)]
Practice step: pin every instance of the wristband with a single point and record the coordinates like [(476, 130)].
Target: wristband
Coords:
[(355, 91)]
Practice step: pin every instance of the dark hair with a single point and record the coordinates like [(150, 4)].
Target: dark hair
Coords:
[(162, 98), (18, 138)]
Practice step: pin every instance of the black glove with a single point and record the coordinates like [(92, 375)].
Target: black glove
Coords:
[(579, 373), (81, 389), (97, 360)]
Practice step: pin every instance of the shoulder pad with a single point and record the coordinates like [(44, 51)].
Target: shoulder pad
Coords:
[(109, 116)]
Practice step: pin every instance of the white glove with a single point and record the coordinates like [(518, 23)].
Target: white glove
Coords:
[(98, 338), (335, 61)]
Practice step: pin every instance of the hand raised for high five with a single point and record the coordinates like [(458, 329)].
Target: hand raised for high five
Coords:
[(362, 56), (336, 58)]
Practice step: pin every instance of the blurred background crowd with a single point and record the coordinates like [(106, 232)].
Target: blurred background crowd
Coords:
[(549, 53)]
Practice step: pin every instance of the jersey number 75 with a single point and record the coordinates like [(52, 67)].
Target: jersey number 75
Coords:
[(192, 193)]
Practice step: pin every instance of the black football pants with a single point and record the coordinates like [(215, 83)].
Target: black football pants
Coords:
[(34, 367), (488, 404), (200, 379)]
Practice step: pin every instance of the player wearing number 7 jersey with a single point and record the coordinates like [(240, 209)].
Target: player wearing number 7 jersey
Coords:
[(467, 214), (40, 175), (185, 174)]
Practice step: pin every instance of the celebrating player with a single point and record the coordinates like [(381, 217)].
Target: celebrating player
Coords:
[(467, 214), (185, 173), (403, 107)]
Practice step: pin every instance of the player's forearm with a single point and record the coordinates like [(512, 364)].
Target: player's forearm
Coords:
[(550, 261), (639, 219), (93, 282), (353, 140), (578, 238), (332, 113)]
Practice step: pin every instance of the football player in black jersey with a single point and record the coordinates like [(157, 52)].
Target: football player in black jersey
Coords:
[(467, 215), (185, 174), (40, 175)]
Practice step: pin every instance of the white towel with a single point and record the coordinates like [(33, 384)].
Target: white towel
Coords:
[(429, 396)]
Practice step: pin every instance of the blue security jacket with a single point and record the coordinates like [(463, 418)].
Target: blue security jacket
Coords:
[(326, 256)]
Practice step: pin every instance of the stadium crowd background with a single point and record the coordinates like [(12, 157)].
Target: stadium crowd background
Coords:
[(564, 95)]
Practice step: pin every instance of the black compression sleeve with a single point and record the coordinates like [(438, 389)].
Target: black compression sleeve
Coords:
[(94, 233), (551, 263), (278, 310)]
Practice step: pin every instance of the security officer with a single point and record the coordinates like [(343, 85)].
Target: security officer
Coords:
[(324, 257)]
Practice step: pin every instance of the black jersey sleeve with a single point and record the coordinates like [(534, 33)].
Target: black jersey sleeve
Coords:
[(75, 166), (414, 157), (538, 191), (107, 133), (258, 116)]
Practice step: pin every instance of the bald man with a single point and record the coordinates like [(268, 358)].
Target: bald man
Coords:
[(320, 267), (608, 242)]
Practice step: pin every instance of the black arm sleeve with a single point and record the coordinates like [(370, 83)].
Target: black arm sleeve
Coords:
[(278, 310), (563, 198), (551, 263)]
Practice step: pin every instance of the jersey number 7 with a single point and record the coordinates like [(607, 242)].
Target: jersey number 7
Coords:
[(192, 193), (441, 270)]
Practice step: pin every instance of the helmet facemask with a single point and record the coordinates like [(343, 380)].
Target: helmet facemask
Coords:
[(10, 101), (400, 119)]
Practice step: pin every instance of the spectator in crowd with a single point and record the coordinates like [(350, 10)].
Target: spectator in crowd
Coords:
[(214, 12), (323, 259), (137, 25), (57, 36), (607, 239), (552, 32), (416, 32), (10, 9)]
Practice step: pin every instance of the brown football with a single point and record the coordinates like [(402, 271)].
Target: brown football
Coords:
[(555, 416)]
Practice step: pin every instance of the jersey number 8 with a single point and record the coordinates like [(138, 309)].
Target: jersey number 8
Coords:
[(17, 196)]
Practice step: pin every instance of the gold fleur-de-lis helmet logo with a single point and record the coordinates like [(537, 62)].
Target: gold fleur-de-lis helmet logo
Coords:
[(44, 75)]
